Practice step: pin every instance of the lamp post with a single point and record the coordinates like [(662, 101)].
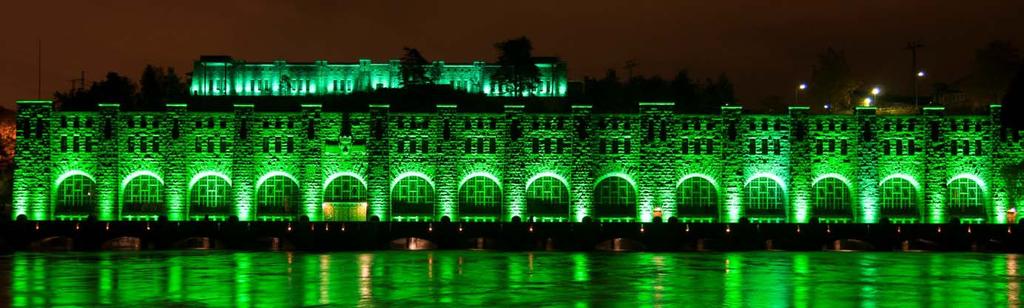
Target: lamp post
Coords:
[(796, 93), (920, 75), (874, 94)]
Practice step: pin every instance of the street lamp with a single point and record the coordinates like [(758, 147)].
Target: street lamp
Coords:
[(920, 75), (867, 101), (796, 94), (874, 94)]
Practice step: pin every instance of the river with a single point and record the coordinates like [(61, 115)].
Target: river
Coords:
[(487, 278)]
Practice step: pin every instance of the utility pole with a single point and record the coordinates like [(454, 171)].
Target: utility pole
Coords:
[(39, 70), (913, 46), (630, 64), (78, 83)]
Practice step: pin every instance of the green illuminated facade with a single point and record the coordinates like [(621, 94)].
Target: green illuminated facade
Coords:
[(224, 76), (396, 166)]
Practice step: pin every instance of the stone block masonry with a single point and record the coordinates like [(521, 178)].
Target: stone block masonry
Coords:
[(581, 165)]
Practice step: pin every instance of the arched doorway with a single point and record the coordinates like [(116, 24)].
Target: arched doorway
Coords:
[(210, 196), (832, 201), (764, 200), (899, 201), (615, 200), (345, 199), (547, 199), (966, 201), (77, 198), (697, 200), (412, 199), (278, 198), (480, 199), (143, 198)]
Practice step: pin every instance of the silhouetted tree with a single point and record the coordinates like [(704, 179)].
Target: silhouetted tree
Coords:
[(608, 94), (7, 139), (76, 98), (771, 104), (1013, 102), (286, 85), (159, 86), (604, 93), (114, 88), (720, 91), (517, 70), (414, 68), (832, 82), (649, 89), (994, 67), (685, 92)]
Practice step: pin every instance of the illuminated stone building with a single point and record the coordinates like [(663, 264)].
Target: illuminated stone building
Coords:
[(581, 164), (224, 76)]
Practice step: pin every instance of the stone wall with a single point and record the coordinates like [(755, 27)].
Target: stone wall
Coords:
[(279, 165)]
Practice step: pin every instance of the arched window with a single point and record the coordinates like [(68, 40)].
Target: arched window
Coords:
[(765, 200), (210, 196), (76, 197), (345, 199), (615, 197), (345, 189), (899, 200), (547, 199), (832, 201), (278, 198), (697, 200), (480, 199), (143, 196), (412, 198), (966, 200)]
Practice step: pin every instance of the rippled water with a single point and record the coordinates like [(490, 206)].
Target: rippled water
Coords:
[(221, 278)]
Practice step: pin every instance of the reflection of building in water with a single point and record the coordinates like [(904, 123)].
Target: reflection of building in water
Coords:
[(509, 165), (246, 279)]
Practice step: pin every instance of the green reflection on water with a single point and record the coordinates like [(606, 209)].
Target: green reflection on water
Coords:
[(261, 279)]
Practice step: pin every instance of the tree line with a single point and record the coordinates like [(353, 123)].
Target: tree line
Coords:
[(610, 94), (832, 82), (156, 86), (517, 68)]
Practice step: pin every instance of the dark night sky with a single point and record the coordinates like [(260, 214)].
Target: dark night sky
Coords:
[(766, 47)]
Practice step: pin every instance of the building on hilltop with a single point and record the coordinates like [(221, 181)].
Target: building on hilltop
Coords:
[(225, 76)]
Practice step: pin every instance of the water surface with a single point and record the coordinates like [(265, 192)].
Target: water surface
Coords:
[(474, 278)]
